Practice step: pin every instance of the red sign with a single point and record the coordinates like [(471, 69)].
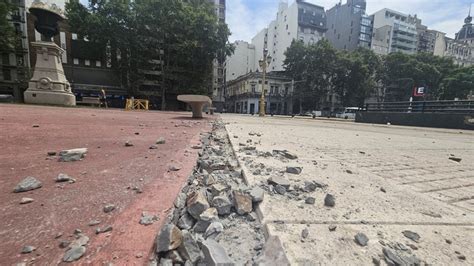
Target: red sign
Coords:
[(419, 91)]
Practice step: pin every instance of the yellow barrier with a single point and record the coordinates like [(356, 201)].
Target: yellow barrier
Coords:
[(136, 104)]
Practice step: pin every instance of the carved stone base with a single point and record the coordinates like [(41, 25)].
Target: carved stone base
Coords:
[(50, 97), (49, 84)]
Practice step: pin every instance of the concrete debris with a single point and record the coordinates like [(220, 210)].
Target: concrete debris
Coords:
[(161, 141), (169, 238), (64, 178), (180, 201), (361, 239), (213, 230), (27, 184), (276, 180), (148, 219), (214, 254), (128, 144), (222, 204), (396, 258), (189, 248), (332, 228), (257, 194), (28, 249), (106, 229), (209, 215), (310, 200), (186, 222), (94, 223), (74, 253), (411, 235), (294, 170), (109, 208), (197, 204), (305, 233), (242, 203), (329, 200), (273, 253), (174, 168), (26, 200), (455, 159), (286, 154), (52, 153), (153, 147), (72, 155)]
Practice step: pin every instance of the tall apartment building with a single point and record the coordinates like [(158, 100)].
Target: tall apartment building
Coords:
[(393, 32), (14, 62), (218, 79), (349, 27), (299, 21)]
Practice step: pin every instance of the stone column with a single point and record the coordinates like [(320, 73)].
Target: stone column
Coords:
[(49, 84)]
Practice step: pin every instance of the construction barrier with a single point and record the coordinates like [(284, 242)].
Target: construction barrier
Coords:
[(136, 104)]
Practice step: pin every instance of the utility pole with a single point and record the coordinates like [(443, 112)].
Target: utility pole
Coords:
[(264, 63)]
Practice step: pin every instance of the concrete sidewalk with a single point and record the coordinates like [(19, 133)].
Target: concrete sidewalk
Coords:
[(385, 179)]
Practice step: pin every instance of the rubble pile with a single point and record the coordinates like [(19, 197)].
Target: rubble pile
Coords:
[(214, 220)]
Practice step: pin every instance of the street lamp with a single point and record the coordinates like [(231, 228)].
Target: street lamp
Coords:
[(264, 63)]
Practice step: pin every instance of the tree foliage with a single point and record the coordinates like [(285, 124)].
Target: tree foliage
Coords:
[(458, 84), (7, 32), (320, 71), (185, 36)]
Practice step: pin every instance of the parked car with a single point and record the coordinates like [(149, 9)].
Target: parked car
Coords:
[(348, 113)]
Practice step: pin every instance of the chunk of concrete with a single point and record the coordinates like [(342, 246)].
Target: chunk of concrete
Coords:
[(197, 204), (273, 253), (189, 248), (72, 155), (242, 203), (169, 238), (27, 184), (215, 254)]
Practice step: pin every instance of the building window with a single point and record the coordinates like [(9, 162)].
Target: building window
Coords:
[(253, 88), (6, 74), (286, 26), (76, 61), (98, 63), (87, 62)]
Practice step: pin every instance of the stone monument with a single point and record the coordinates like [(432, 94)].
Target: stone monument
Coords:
[(48, 84)]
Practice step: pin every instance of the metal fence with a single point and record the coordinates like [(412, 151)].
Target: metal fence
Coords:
[(452, 107)]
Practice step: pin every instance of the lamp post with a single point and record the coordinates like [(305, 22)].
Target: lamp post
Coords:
[(264, 63)]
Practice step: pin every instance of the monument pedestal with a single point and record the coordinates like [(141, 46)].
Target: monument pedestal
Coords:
[(49, 84)]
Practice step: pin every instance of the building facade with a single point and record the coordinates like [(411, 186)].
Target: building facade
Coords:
[(394, 32), (14, 62), (349, 27), (218, 79), (299, 21), (243, 94)]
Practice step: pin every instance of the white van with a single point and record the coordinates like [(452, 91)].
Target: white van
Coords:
[(349, 113)]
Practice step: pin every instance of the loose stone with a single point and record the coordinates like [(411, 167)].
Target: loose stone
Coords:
[(294, 170), (26, 200), (361, 239), (411, 235), (169, 238), (329, 200), (72, 155), (109, 208), (27, 184)]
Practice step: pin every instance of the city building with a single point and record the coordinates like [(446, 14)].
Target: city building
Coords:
[(299, 21), (461, 48), (14, 62), (349, 27), (59, 3), (218, 79), (242, 61), (393, 32), (243, 94)]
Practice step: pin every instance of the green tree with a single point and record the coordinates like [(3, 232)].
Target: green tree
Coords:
[(183, 36), (458, 84), (312, 67), (356, 76), (8, 39), (402, 72)]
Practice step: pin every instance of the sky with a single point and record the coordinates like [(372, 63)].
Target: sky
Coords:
[(247, 17)]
